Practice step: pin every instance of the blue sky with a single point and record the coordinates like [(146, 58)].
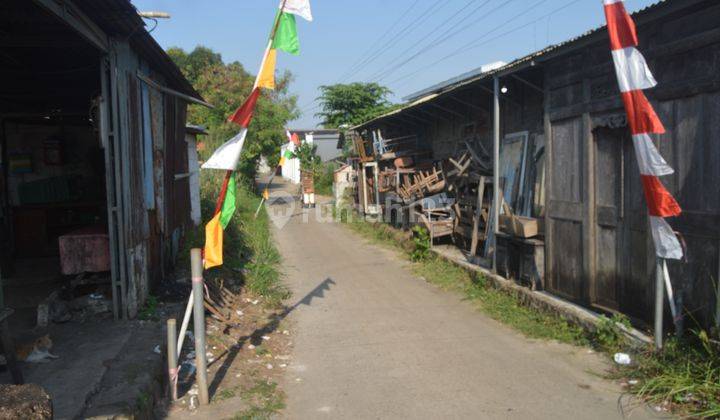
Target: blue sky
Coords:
[(435, 32)]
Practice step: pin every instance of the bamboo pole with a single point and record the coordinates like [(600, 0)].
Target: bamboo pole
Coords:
[(199, 324), (172, 357), (659, 303)]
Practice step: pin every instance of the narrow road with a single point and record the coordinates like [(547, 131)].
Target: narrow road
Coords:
[(373, 341)]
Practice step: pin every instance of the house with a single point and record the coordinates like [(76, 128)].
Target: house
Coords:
[(565, 159), (326, 141), (97, 174)]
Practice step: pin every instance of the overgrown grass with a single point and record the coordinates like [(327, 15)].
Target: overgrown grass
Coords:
[(265, 400), (685, 376), (325, 178), (249, 250)]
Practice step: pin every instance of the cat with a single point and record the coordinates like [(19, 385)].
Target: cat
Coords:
[(38, 351)]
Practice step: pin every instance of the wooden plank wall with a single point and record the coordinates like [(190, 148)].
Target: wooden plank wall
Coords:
[(583, 113)]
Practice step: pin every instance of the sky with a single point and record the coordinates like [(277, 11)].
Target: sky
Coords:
[(406, 45)]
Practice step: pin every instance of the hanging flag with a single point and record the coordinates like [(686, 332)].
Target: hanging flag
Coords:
[(244, 114), (286, 37), (213, 243), (266, 78), (228, 207), (227, 156), (634, 76), (300, 8), (286, 157)]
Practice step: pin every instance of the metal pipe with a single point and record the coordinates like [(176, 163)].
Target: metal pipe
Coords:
[(496, 166), (172, 357), (659, 301), (150, 82), (199, 324)]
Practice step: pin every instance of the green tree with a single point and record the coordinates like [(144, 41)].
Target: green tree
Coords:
[(352, 103), (226, 86)]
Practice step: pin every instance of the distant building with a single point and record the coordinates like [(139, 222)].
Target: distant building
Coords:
[(327, 142)]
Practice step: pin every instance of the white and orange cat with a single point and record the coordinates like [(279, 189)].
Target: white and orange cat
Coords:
[(37, 351)]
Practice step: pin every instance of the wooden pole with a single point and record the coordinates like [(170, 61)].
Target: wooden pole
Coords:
[(199, 323), (172, 357)]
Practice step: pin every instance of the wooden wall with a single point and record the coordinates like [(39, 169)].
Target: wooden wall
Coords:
[(599, 249)]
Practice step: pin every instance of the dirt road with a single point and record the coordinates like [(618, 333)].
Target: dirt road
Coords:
[(373, 341)]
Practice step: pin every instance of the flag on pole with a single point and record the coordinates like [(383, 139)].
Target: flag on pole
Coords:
[(229, 205), (300, 8), (214, 243), (286, 37), (227, 156), (634, 76), (244, 114), (266, 79)]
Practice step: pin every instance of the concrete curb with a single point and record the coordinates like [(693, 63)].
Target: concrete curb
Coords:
[(544, 301)]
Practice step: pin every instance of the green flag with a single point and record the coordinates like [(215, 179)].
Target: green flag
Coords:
[(286, 37), (228, 207)]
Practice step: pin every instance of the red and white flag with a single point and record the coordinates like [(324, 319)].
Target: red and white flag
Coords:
[(634, 76)]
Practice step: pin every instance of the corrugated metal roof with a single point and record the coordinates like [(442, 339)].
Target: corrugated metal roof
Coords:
[(120, 18), (516, 64)]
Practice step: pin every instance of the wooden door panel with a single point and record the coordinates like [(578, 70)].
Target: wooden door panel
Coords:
[(567, 278), (565, 240)]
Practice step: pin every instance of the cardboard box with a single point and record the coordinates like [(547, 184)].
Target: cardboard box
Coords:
[(521, 227)]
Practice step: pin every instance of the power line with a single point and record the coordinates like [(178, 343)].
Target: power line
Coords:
[(373, 51), (404, 32), (370, 50), (391, 71), (478, 42), (466, 17)]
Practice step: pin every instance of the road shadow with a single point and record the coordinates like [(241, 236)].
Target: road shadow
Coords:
[(255, 338)]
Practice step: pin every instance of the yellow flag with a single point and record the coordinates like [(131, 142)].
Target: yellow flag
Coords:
[(267, 73), (214, 243)]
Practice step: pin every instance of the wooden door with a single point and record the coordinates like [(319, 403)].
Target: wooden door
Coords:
[(565, 218), (620, 270)]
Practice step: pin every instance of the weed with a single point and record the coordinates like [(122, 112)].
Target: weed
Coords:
[(249, 246), (325, 178), (264, 399), (608, 334), (149, 310), (685, 374), (261, 351), (421, 240), (226, 394)]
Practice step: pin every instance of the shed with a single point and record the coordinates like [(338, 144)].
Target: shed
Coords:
[(93, 116), (563, 106)]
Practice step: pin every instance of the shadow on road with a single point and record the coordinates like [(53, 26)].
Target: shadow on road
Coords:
[(255, 337)]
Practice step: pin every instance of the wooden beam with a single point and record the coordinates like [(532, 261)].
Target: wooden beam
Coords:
[(70, 14), (532, 85), (468, 104), (449, 111), (432, 115)]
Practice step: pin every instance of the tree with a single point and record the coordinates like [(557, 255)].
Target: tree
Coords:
[(226, 86), (352, 104)]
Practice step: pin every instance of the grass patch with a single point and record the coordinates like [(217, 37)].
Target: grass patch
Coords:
[(685, 376), (249, 249), (149, 311), (264, 399)]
